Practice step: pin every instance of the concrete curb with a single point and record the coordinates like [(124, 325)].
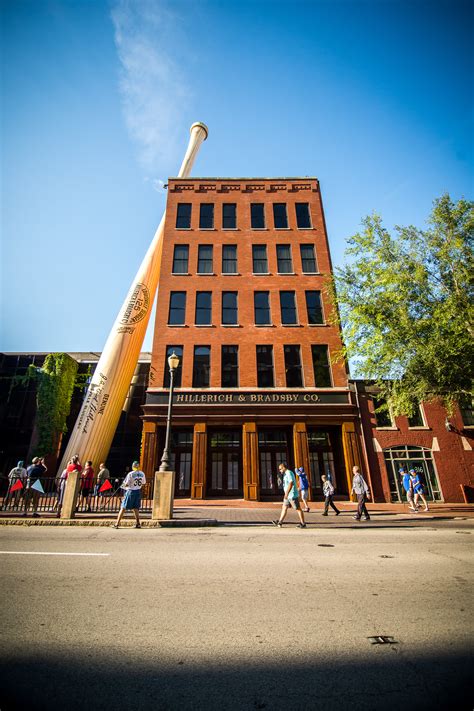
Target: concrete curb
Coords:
[(173, 523)]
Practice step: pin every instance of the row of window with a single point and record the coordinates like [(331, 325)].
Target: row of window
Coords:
[(229, 216), (264, 363), (205, 260), (230, 309)]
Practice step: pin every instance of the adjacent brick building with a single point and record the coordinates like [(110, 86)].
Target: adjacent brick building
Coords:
[(242, 302)]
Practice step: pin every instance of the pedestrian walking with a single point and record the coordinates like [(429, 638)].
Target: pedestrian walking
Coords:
[(361, 490), (87, 485), (408, 486), (328, 491), (36, 470), (291, 498), (132, 485), (418, 490), (303, 486), (17, 474)]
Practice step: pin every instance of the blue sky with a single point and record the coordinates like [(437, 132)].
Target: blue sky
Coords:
[(375, 98)]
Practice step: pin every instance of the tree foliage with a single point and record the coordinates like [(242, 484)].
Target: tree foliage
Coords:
[(405, 304)]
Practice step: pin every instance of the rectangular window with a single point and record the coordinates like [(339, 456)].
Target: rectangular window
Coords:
[(262, 308), (308, 259), (417, 419), (294, 377), (259, 259), (180, 259), (314, 307), (203, 308), (229, 308), (177, 312), (257, 215), (284, 260), (303, 219), (183, 216), (205, 259), (381, 412), (201, 366), (321, 368), (280, 218), (288, 308), (265, 377), (230, 366), (229, 216), (206, 216), (229, 259), (466, 405), (178, 350)]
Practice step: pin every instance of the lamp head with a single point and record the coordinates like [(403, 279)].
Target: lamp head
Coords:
[(173, 361)]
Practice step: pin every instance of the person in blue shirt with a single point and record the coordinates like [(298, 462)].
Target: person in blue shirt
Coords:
[(408, 486), (303, 486), (418, 490), (291, 497)]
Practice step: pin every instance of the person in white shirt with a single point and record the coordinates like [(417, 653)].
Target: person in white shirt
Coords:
[(132, 484), (361, 490), (328, 491)]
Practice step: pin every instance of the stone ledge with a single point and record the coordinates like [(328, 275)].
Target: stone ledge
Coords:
[(173, 523)]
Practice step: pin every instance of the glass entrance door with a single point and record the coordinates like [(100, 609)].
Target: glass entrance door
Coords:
[(224, 474), (417, 458), (181, 461), (273, 450), (321, 459)]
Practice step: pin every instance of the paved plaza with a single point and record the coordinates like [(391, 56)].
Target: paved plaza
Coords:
[(237, 617)]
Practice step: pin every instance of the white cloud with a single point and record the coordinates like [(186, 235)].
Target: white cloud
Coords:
[(153, 89)]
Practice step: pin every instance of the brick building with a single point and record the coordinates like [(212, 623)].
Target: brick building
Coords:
[(241, 301)]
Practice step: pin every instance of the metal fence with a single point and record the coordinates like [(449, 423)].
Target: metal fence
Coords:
[(26, 499)]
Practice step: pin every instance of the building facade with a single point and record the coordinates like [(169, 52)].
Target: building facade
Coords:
[(242, 302)]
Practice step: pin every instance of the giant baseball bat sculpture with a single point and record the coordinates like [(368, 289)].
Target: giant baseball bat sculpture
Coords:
[(100, 412)]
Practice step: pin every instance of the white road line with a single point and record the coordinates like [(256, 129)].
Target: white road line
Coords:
[(49, 553)]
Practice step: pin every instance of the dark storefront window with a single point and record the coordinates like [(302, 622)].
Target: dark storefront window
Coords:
[(321, 458), (205, 259), (259, 259), (322, 370), (229, 308), (284, 260), (265, 377), (303, 219), (262, 308), (308, 259), (225, 475), (412, 457), (229, 259), (183, 216), (181, 459), (314, 307), (288, 308), (230, 366), (229, 216), (273, 448), (280, 217), (294, 377), (178, 372), (201, 366), (180, 259), (257, 215), (203, 308), (206, 216), (177, 312)]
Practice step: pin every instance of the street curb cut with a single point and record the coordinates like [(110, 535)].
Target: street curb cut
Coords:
[(173, 523)]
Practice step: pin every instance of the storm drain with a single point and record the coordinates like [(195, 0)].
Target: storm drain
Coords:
[(382, 639)]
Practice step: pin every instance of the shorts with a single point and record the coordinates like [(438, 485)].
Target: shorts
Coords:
[(131, 500), (409, 495), (304, 494), (294, 503), (86, 492)]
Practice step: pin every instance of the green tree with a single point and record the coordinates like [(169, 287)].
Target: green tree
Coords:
[(405, 304)]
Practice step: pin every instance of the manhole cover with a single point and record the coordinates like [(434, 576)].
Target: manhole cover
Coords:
[(382, 639), (325, 545)]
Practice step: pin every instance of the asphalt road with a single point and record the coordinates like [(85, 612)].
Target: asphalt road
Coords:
[(236, 618)]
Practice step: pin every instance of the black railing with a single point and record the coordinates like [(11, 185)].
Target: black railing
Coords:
[(28, 499)]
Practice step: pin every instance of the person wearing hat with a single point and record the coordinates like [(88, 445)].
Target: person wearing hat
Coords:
[(132, 485), (418, 490), (18, 473), (408, 486), (34, 472)]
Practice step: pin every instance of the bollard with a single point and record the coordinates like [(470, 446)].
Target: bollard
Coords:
[(163, 496), (70, 495)]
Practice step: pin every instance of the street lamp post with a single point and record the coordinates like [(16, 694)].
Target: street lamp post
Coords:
[(173, 363)]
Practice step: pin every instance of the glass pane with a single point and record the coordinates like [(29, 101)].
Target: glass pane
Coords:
[(178, 372), (266, 473), (217, 461), (229, 259), (417, 419), (279, 215), (265, 366), (229, 216), (257, 215), (180, 259), (293, 367), (322, 373), (288, 308), (202, 357), (205, 259), (232, 471), (262, 307), (177, 308), (308, 258), (315, 470), (203, 308), (183, 216), (229, 376), (302, 215), (314, 307), (229, 308), (259, 256), (285, 264), (206, 216)]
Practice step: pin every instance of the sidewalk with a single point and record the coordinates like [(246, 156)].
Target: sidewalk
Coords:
[(213, 512)]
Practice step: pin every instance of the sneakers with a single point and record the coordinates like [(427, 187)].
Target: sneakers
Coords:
[(356, 518), (337, 513), (301, 525), (277, 524), (324, 514), (366, 518)]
